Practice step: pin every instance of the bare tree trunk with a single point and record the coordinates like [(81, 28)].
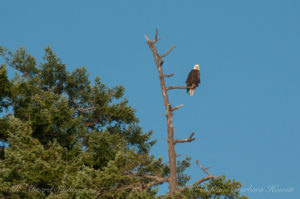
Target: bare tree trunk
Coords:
[(173, 182), (169, 114)]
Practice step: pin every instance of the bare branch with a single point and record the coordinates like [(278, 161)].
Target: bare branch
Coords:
[(168, 51), (177, 155), (157, 178), (169, 75), (177, 107), (209, 177), (154, 41), (204, 169), (198, 182), (154, 183), (190, 139), (180, 87), (177, 87), (147, 38)]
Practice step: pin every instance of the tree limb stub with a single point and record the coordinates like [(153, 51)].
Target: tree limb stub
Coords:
[(173, 109), (177, 107), (166, 75), (169, 75), (179, 154)]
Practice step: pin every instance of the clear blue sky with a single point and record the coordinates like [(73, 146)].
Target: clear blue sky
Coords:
[(246, 111)]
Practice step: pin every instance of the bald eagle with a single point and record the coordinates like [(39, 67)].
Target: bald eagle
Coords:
[(193, 80)]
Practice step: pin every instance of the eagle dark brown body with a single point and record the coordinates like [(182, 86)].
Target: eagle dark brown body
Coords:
[(193, 80)]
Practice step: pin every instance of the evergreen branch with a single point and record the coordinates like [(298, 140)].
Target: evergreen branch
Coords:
[(156, 180), (85, 109), (81, 109)]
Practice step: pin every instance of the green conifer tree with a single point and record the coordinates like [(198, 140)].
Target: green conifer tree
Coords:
[(67, 139)]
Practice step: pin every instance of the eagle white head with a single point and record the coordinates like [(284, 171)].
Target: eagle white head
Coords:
[(197, 67)]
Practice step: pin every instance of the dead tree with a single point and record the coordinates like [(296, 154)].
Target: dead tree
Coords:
[(173, 182)]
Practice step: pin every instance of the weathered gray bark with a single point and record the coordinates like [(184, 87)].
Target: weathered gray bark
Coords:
[(173, 182), (169, 114)]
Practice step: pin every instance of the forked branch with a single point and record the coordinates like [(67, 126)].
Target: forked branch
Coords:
[(155, 40), (190, 139), (209, 177)]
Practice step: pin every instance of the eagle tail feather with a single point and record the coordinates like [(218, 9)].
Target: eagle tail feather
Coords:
[(192, 92)]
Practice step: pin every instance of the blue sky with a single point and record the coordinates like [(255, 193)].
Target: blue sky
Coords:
[(245, 112)]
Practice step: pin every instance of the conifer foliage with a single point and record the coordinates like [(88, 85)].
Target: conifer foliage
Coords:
[(66, 137)]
